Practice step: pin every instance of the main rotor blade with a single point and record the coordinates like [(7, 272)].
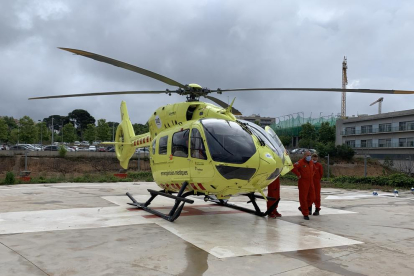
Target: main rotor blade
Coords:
[(380, 91), (125, 66), (223, 104), (101, 94)]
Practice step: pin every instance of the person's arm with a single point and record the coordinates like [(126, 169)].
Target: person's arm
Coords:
[(295, 170)]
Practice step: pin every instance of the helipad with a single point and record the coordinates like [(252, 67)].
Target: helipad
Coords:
[(88, 229)]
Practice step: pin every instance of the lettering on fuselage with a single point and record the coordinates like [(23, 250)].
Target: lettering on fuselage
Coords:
[(172, 113), (167, 173)]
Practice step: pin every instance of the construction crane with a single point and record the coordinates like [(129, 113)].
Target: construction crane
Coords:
[(344, 83), (379, 101)]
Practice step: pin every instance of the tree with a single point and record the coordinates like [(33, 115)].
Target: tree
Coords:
[(113, 126), (14, 134), (58, 121), (90, 133), (4, 130), (69, 133), (140, 128), (286, 140), (43, 133), (81, 119), (308, 132), (11, 122), (28, 131), (326, 133), (103, 130)]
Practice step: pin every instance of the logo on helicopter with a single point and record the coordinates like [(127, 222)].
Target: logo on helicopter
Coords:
[(158, 121)]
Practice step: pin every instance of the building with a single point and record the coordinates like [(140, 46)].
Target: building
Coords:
[(263, 121), (383, 135)]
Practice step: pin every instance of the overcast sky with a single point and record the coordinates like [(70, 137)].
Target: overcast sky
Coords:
[(217, 44)]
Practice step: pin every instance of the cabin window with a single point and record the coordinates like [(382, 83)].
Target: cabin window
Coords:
[(180, 143), (197, 146), (162, 145), (153, 147)]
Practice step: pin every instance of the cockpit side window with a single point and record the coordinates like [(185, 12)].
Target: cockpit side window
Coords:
[(162, 145), (180, 143), (197, 145)]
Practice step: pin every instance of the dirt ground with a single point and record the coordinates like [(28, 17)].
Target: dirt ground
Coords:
[(54, 166)]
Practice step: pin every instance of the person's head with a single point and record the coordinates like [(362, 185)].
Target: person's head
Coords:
[(314, 158), (307, 155)]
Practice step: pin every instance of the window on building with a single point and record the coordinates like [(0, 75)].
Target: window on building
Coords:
[(366, 143), (402, 142), (197, 145), (350, 130), (402, 126), (351, 143), (410, 125), (388, 143), (385, 127), (410, 142), (381, 143), (366, 129), (162, 145), (179, 146)]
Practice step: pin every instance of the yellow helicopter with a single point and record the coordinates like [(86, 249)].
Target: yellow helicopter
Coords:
[(197, 148)]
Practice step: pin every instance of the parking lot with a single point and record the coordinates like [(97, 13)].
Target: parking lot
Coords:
[(88, 229)]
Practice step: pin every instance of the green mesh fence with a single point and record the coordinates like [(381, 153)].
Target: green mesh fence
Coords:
[(291, 125)]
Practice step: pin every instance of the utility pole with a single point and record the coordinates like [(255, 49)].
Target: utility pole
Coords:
[(53, 130), (344, 83)]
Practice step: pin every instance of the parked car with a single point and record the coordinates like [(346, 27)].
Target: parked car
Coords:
[(101, 149), (4, 147), (77, 143), (85, 143), (32, 147), (142, 150), (76, 148), (51, 148), (96, 143), (92, 148), (83, 148), (21, 147), (110, 149)]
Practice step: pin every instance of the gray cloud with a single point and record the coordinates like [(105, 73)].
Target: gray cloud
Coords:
[(226, 44)]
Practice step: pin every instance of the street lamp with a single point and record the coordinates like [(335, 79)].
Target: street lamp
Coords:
[(41, 134), (53, 130)]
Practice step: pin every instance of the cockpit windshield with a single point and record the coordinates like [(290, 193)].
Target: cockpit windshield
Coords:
[(227, 141), (268, 139)]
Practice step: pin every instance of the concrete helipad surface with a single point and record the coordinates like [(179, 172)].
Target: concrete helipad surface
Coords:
[(88, 229)]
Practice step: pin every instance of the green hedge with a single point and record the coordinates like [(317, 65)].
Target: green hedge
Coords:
[(396, 180)]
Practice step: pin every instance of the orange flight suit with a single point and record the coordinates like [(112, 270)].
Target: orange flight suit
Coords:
[(305, 170), (317, 183), (273, 190)]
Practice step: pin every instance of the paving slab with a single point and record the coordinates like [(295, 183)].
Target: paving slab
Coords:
[(89, 229)]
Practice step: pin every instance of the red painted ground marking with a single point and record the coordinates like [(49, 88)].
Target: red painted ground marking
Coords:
[(201, 186)]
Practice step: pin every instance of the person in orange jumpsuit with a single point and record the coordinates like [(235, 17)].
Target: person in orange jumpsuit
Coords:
[(317, 183), (273, 190), (304, 170)]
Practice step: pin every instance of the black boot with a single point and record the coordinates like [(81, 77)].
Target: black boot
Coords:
[(306, 217), (316, 213), (310, 210)]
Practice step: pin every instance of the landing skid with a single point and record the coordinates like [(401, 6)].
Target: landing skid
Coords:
[(180, 200), (252, 200)]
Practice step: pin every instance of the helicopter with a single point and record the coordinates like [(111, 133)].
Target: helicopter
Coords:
[(201, 149)]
